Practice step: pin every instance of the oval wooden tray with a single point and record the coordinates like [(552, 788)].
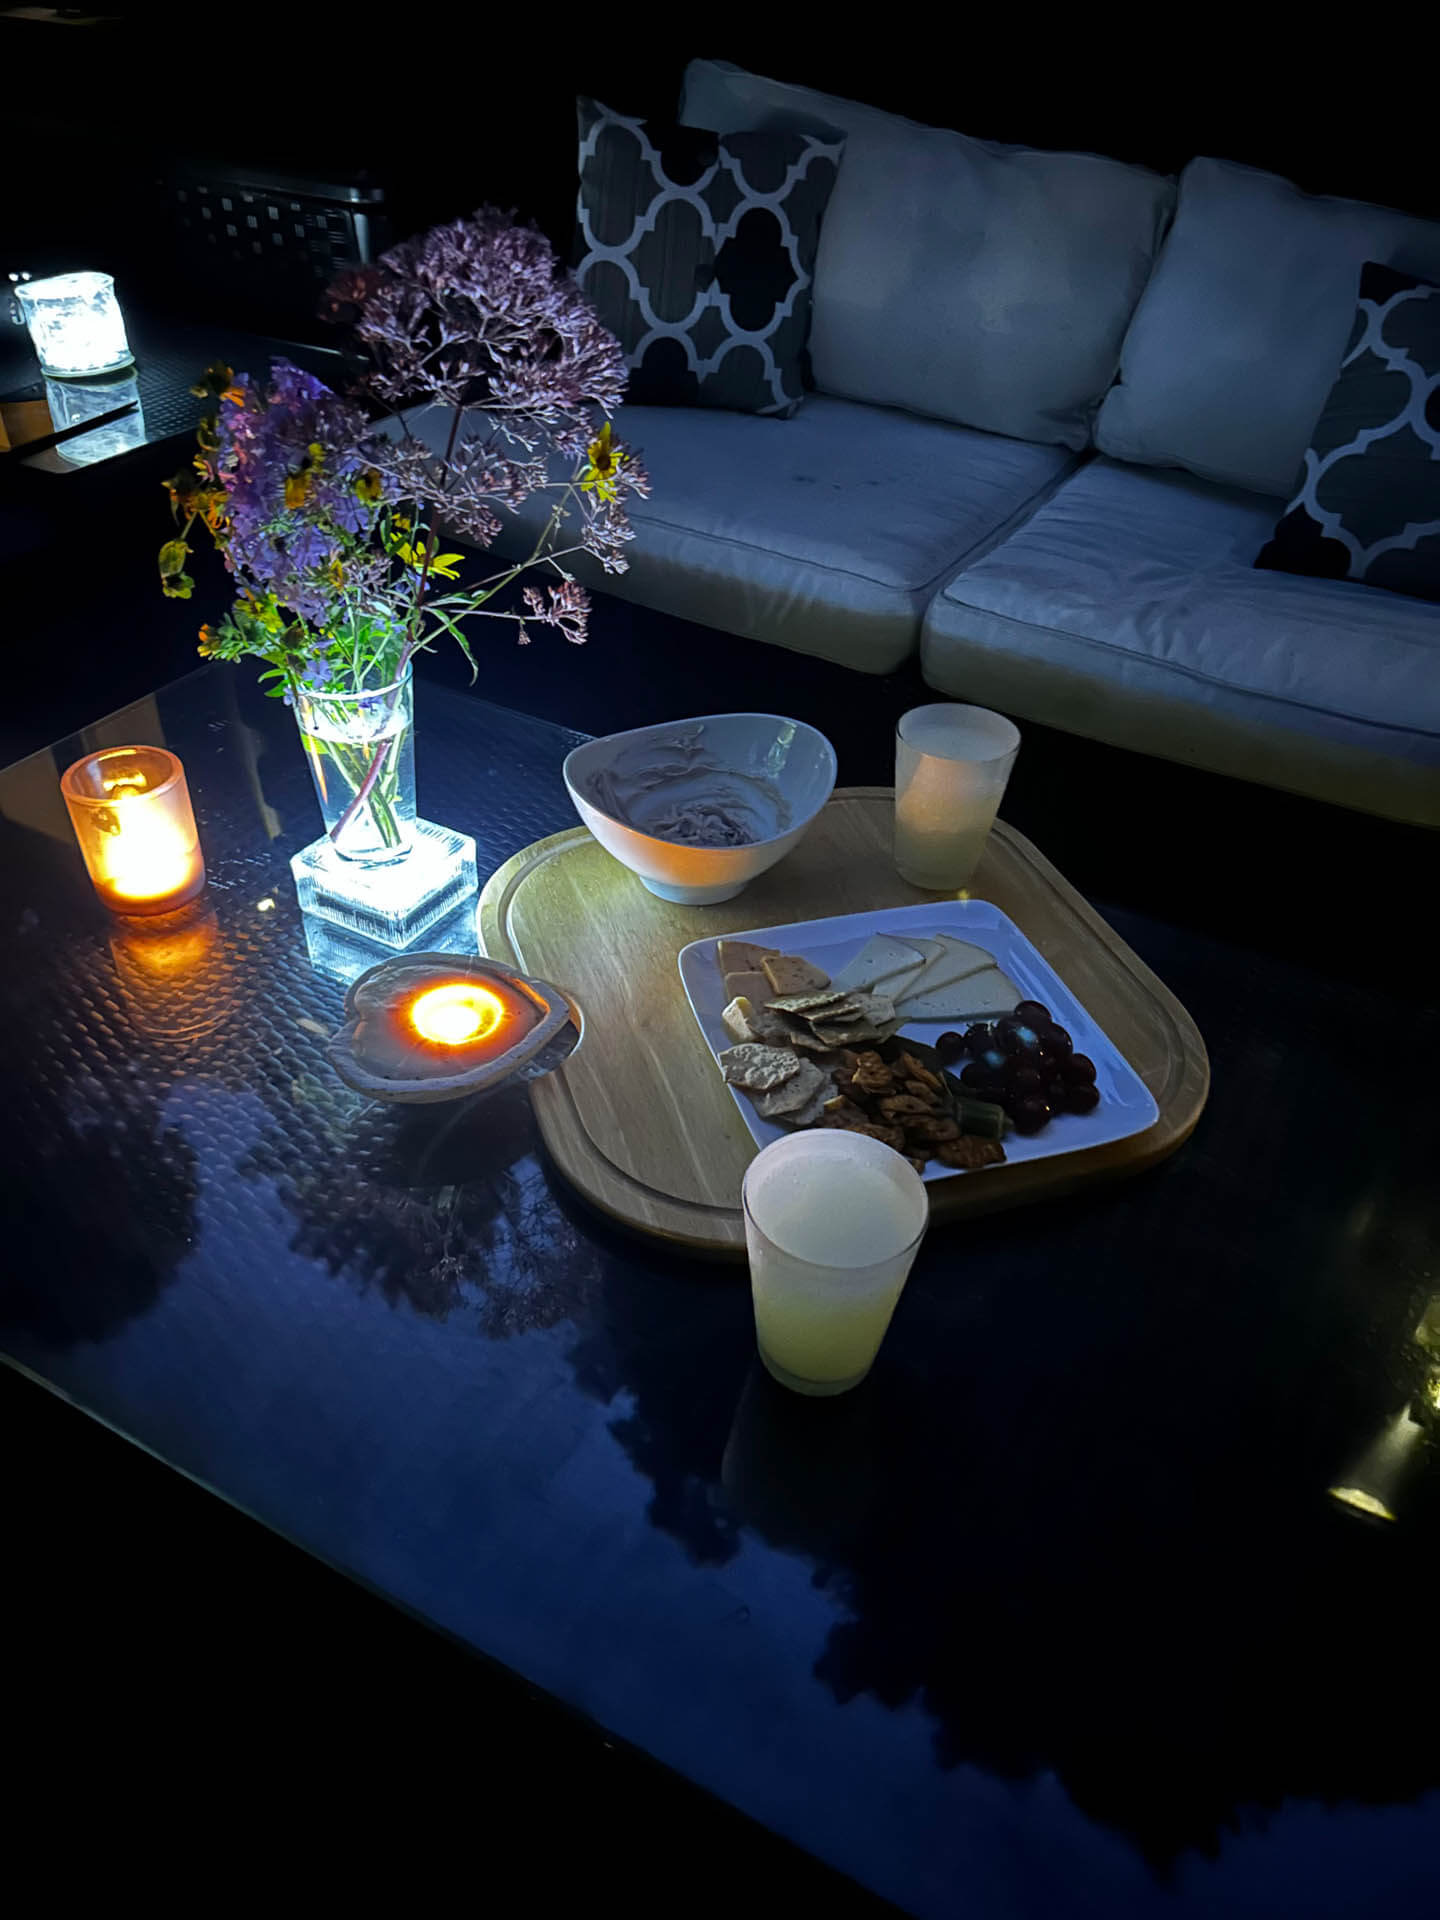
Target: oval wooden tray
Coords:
[(639, 1119)]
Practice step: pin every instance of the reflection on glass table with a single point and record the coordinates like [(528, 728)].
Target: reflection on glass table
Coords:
[(1050, 1615), (1382, 1483), (73, 401)]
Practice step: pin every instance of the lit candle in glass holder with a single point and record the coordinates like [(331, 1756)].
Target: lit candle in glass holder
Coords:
[(131, 812), (437, 1026), (76, 326)]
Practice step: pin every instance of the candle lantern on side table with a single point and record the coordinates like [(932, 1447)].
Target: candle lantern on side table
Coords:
[(130, 808), (76, 326)]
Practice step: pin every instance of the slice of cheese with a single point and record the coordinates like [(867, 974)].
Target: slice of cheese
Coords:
[(884, 957), (956, 961), (932, 949), (979, 996), (736, 1020), (753, 985)]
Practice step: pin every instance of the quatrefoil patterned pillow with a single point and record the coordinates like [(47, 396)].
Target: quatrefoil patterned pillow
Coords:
[(1367, 500), (697, 250)]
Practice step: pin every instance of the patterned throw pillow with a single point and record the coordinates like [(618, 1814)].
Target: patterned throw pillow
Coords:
[(1367, 505), (698, 250)]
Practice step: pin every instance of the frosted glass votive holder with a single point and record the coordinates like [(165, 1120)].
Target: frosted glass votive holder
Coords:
[(951, 766), (130, 808), (76, 326)]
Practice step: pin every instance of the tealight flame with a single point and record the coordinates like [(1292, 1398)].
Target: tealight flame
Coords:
[(456, 1014), (147, 857)]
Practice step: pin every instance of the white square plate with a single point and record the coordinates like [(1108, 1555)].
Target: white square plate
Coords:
[(1126, 1105)]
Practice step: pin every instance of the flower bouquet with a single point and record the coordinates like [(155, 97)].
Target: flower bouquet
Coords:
[(332, 511)]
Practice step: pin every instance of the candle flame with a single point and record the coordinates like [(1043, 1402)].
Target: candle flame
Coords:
[(456, 1014), (146, 857)]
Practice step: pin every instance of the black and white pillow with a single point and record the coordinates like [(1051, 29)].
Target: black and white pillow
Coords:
[(1367, 502), (697, 250)]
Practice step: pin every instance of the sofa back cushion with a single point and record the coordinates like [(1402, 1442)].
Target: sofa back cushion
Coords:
[(978, 283), (1238, 337), (697, 251)]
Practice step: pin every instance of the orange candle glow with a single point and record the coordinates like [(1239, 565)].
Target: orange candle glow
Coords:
[(456, 1015), (131, 812)]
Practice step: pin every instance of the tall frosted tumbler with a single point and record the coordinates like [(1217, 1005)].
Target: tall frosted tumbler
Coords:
[(951, 766), (832, 1223)]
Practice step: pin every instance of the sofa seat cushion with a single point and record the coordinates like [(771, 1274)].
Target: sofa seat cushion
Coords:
[(1128, 608), (1239, 335), (828, 533), (985, 284)]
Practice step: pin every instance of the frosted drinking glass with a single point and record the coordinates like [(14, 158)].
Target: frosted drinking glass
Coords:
[(832, 1224), (951, 766)]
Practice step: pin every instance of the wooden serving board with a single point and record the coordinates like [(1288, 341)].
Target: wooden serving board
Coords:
[(640, 1120)]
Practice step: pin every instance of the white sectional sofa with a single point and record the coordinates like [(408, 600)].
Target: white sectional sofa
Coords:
[(1058, 404)]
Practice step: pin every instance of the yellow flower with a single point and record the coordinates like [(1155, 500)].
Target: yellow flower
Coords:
[(367, 486), (336, 572), (297, 487), (603, 461), (445, 565)]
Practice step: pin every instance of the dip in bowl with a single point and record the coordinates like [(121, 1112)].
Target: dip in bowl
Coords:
[(697, 808)]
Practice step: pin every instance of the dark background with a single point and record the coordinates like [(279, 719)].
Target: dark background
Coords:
[(448, 106)]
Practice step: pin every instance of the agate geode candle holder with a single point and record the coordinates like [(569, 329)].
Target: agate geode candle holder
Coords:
[(441, 1026)]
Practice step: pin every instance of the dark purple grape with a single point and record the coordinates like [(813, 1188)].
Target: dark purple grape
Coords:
[(1030, 1114), (1081, 1098), (1020, 1039), (1057, 1041), (1025, 1080), (1055, 1091), (979, 1037), (949, 1047), (1032, 1013), (995, 1063), (1079, 1070), (976, 1075)]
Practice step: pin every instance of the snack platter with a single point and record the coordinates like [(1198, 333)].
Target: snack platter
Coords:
[(639, 1120), (972, 964)]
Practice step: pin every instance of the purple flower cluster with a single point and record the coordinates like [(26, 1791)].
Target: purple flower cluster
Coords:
[(333, 524), (289, 460), (479, 318), (480, 313)]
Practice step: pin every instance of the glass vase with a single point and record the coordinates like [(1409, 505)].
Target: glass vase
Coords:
[(361, 749)]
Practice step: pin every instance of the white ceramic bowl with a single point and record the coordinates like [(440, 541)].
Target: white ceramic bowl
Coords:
[(653, 796)]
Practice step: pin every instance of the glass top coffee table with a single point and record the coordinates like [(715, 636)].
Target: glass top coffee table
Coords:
[(1058, 1613)]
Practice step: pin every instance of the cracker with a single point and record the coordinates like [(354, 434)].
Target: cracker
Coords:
[(798, 1093), (878, 1008), (814, 1107), (788, 973), (740, 956), (758, 1069), (812, 1002)]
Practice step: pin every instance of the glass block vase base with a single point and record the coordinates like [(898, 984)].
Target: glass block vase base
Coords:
[(342, 955), (396, 905)]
